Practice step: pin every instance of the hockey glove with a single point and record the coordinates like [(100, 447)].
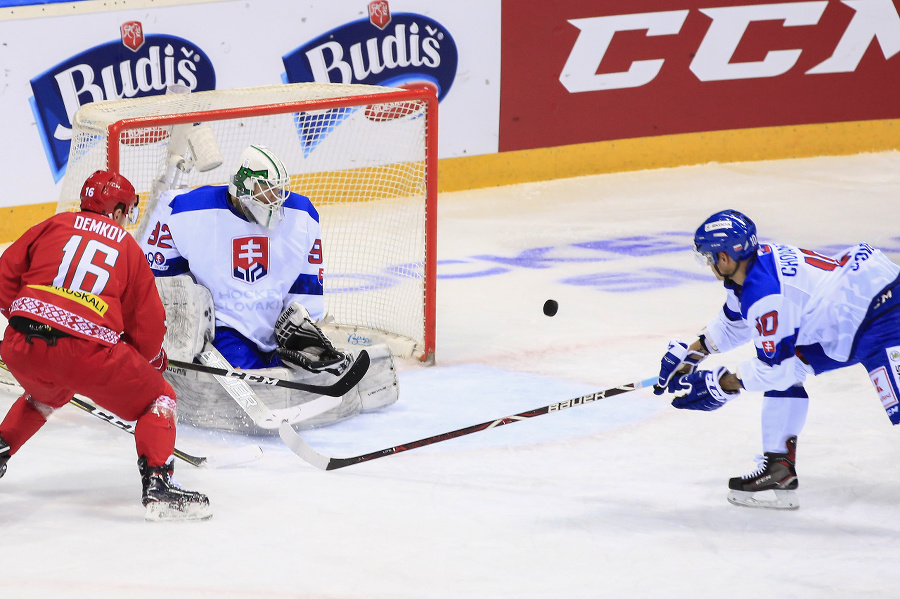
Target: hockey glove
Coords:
[(677, 361), (703, 390), (304, 344), (161, 361), (317, 359)]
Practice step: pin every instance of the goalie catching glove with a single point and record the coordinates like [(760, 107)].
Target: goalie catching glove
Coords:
[(679, 360), (703, 390), (302, 343)]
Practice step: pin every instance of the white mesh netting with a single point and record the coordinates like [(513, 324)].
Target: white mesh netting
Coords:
[(365, 167)]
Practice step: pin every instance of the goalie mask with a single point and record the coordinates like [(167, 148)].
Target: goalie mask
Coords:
[(261, 185)]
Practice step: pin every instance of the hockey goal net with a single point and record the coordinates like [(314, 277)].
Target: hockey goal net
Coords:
[(365, 155)]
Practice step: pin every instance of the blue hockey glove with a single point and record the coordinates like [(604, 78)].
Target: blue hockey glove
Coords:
[(677, 361), (703, 391)]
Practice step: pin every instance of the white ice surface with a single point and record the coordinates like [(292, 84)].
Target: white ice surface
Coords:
[(620, 498)]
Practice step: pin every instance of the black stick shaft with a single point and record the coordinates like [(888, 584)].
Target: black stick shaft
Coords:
[(350, 379)]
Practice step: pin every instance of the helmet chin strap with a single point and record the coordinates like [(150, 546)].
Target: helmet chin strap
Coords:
[(723, 275)]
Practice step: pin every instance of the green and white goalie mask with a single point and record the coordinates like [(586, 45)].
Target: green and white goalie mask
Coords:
[(261, 185)]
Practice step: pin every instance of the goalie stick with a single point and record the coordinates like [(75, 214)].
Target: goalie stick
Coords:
[(251, 403), (338, 389), (323, 462), (234, 457)]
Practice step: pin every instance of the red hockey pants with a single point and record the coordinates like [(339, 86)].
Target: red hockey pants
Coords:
[(116, 377)]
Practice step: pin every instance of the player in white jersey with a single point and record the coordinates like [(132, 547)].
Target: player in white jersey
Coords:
[(240, 271), (805, 314), (254, 244)]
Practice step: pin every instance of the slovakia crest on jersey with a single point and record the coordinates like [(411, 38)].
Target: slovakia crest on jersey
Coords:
[(769, 348), (250, 258)]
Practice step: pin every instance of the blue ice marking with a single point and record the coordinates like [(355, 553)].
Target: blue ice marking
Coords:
[(638, 246), (536, 258), (641, 280)]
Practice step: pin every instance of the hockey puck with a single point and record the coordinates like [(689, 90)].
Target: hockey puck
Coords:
[(550, 308)]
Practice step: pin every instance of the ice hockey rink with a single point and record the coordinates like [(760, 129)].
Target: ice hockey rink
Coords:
[(624, 497)]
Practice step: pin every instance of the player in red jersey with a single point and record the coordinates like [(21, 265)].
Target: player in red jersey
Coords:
[(85, 317)]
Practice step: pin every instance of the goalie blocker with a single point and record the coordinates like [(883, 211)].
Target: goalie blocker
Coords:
[(313, 359)]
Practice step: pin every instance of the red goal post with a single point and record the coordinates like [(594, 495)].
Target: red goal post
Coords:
[(365, 155)]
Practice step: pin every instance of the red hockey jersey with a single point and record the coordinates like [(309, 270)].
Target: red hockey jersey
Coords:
[(83, 274)]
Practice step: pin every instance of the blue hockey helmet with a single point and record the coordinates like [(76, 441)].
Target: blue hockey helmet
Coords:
[(727, 231)]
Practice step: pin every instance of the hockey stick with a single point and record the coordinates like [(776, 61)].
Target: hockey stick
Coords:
[(340, 388), (231, 458), (240, 455), (252, 404), (323, 462)]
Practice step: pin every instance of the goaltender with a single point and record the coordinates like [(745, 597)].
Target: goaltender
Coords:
[(254, 249)]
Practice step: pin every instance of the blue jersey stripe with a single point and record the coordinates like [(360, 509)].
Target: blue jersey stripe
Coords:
[(296, 201), (762, 280), (731, 314), (795, 391), (172, 267), (307, 285), (784, 349), (216, 198), (202, 198)]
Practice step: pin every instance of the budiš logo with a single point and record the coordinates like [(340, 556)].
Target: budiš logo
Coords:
[(396, 50), (135, 66)]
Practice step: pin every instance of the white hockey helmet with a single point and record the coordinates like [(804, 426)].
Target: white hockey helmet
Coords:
[(261, 184)]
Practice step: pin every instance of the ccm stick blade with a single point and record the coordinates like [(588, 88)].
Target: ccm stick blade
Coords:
[(323, 462), (340, 388)]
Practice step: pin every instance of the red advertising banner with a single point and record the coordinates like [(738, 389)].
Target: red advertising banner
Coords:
[(597, 70)]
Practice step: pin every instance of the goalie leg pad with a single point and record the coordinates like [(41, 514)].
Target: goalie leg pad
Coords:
[(190, 316), (203, 402), (379, 388)]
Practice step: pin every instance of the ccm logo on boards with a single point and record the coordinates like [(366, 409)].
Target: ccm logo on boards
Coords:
[(874, 20)]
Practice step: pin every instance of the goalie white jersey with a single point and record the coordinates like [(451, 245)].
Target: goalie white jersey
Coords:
[(794, 303), (252, 272)]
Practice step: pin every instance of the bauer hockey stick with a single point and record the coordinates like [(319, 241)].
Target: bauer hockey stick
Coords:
[(340, 388), (323, 462), (235, 457)]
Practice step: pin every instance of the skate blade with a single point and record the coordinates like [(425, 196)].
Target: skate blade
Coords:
[(160, 511), (784, 499)]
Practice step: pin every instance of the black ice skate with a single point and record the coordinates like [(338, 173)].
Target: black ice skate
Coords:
[(776, 473), (4, 456), (166, 500)]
